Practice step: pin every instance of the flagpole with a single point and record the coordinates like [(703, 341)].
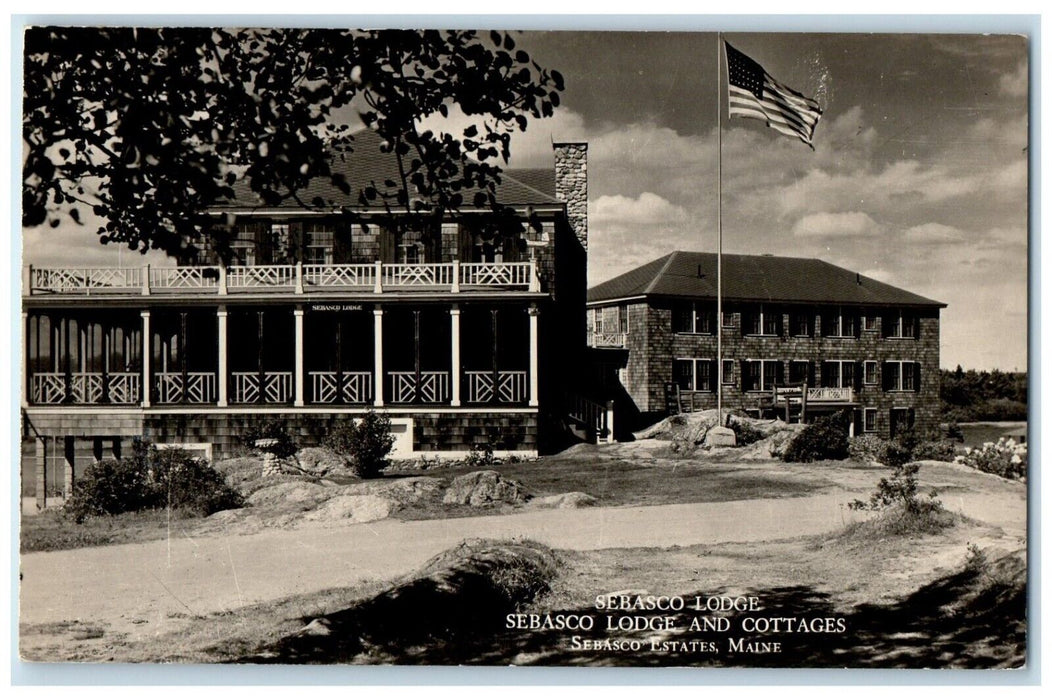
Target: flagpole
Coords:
[(719, 233)]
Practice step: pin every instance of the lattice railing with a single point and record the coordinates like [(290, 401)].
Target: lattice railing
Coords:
[(184, 278), (48, 387), (200, 387), (495, 274), (510, 386), (432, 388), (83, 280), (424, 275), (825, 393), (609, 340), (123, 387), (339, 275), (357, 387), (274, 387), (261, 276)]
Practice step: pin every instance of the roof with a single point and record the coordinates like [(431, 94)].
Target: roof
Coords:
[(368, 164), (754, 278)]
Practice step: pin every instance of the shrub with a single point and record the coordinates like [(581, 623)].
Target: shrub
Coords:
[(954, 432), (365, 443), (900, 491), (896, 454), (941, 450), (744, 433), (481, 455), (1006, 458), (826, 438), (151, 478), (284, 445), (867, 448)]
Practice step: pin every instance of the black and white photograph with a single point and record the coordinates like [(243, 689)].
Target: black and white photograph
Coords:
[(501, 347)]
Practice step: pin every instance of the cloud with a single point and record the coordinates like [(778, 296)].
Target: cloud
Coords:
[(1016, 83), (837, 225), (933, 232), (648, 209)]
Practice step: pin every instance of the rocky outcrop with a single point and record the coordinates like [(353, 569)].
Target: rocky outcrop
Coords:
[(486, 487)]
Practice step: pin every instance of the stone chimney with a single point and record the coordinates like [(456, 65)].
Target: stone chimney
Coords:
[(571, 185)]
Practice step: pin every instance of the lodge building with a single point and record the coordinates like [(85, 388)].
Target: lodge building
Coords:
[(801, 338), (462, 331)]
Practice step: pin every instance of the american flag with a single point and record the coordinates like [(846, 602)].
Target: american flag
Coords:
[(754, 94)]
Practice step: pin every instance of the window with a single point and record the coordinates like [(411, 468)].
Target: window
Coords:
[(838, 374), (486, 249), (728, 319), (800, 372), (760, 375), (869, 420), (800, 324), (693, 318), (839, 323), (901, 419), (869, 375), (900, 325), (761, 321), (692, 374), (900, 375), (728, 371), (869, 322), (318, 244)]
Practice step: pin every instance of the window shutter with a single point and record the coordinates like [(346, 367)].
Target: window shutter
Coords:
[(295, 251), (887, 321), (858, 323), (388, 246), (885, 376), (714, 377), (342, 242), (810, 376), (860, 372), (917, 376), (826, 374), (779, 376)]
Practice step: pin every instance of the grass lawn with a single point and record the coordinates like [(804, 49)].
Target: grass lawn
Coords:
[(52, 530), (975, 434)]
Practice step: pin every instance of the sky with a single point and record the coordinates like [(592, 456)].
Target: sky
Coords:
[(918, 177)]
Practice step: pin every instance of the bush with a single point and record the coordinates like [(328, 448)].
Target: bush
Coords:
[(940, 450), (284, 446), (744, 433), (900, 491), (151, 478), (867, 448), (826, 438), (1006, 458), (365, 443)]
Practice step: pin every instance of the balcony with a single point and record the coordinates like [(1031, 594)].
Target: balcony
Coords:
[(815, 395), (374, 278), (608, 340)]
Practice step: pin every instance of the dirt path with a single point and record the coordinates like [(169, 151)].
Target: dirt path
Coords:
[(152, 585)]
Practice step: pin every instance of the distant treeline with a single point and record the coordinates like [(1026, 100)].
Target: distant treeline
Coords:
[(994, 395)]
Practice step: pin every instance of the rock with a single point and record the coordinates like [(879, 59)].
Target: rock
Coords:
[(320, 460), (718, 436), (318, 627), (290, 491), (483, 488), (412, 489), (357, 509), (572, 499)]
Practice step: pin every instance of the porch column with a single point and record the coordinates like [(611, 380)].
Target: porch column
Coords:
[(25, 359), (378, 356), (67, 471), (298, 315), (221, 380), (41, 467), (454, 375), (146, 357), (534, 360)]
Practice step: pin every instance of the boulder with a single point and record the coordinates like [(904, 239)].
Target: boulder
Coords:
[(484, 488), (302, 492), (719, 436), (357, 509), (320, 460), (408, 490), (571, 499)]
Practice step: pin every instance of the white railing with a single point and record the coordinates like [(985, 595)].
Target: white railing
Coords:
[(84, 280), (815, 393), (163, 278), (266, 276), (433, 387), (496, 274), (418, 275), (85, 388), (339, 275), (609, 340), (357, 387), (297, 278), (596, 418), (510, 386), (276, 387), (48, 387), (200, 387)]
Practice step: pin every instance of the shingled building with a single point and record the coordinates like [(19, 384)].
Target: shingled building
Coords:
[(801, 337)]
